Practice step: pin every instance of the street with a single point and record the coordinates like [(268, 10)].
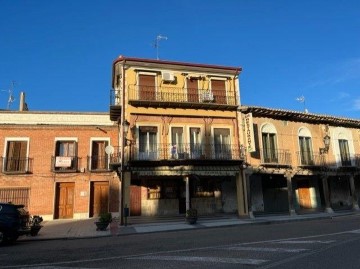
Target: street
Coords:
[(326, 243)]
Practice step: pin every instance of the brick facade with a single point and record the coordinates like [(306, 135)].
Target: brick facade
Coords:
[(40, 181)]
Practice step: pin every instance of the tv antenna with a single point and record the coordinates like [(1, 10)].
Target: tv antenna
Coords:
[(301, 99), (11, 96), (156, 44)]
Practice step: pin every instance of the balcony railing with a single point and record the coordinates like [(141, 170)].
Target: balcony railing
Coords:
[(178, 95), (164, 151), (309, 158), (98, 163), (275, 157), (347, 160), (357, 160), (65, 164), (16, 165)]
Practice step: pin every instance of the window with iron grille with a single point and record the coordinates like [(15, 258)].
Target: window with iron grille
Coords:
[(18, 196)]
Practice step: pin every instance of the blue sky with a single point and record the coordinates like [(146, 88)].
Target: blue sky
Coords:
[(60, 53)]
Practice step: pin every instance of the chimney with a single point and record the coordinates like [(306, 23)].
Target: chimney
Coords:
[(23, 106)]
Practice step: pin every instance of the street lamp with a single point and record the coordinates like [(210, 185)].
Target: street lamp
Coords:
[(326, 141), (125, 126)]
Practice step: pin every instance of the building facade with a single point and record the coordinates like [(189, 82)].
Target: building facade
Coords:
[(56, 165), (300, 162), (180, 130)]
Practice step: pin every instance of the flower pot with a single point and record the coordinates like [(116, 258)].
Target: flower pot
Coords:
[(35, 230), (101, 226), (191, 220)]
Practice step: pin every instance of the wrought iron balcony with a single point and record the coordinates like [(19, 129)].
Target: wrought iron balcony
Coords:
[(357, 160), (176, 97), (65, 164), (98, 163), (16, 165), (309, 158), (345, 160), (275, 157), (180, 152)]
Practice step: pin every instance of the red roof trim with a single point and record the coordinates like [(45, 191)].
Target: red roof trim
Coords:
[(122, 58)]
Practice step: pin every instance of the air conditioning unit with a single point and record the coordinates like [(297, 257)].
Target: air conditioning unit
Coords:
[(208, 97), (167, 76)]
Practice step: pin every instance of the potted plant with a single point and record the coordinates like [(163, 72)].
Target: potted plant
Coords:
[(103, 222), (191, 216)]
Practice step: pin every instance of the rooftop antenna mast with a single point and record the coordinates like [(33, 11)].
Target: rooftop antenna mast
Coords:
[(156, 44), (301, 99), (11, 96)]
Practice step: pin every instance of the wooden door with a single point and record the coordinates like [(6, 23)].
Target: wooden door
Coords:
[(304, 194), (192, 90), (135, 200), (218, 89), (147, 87), (99, 198), (64, 200)]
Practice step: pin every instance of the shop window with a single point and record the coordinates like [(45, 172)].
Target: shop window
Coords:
[(154, 190), (204, 188)]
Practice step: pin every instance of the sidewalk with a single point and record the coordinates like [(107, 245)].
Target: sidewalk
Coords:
[(75, 229)]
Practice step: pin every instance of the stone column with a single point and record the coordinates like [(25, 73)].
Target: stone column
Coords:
[(325, 184), (353, 193), (186, 179), (241, 194), (290, 194)]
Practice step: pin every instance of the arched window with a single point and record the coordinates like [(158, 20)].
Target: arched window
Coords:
[(269, 154), (305, 145), (344, 150)]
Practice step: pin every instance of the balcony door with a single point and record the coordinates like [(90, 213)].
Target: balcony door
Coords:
[(177, 143), (269, 148), (218, 89), (147, 87), (16, 156), (222, 142), (148, 143), (99, 160), (344, 152), (306, 150), (196, 151), (192, 90)]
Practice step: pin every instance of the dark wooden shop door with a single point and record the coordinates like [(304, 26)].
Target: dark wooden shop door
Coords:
[(99, 198), (135, 200)]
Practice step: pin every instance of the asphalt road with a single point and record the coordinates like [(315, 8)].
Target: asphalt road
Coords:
[(327, 243)]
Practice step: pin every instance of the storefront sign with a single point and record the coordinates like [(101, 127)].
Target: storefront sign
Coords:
[(249, 133)]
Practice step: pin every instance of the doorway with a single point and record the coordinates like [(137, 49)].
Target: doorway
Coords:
[(64, 205), (99, 198)]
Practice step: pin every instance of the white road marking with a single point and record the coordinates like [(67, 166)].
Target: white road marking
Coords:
[(289, 250), (55, 267), (201, 259), (306, 242)]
